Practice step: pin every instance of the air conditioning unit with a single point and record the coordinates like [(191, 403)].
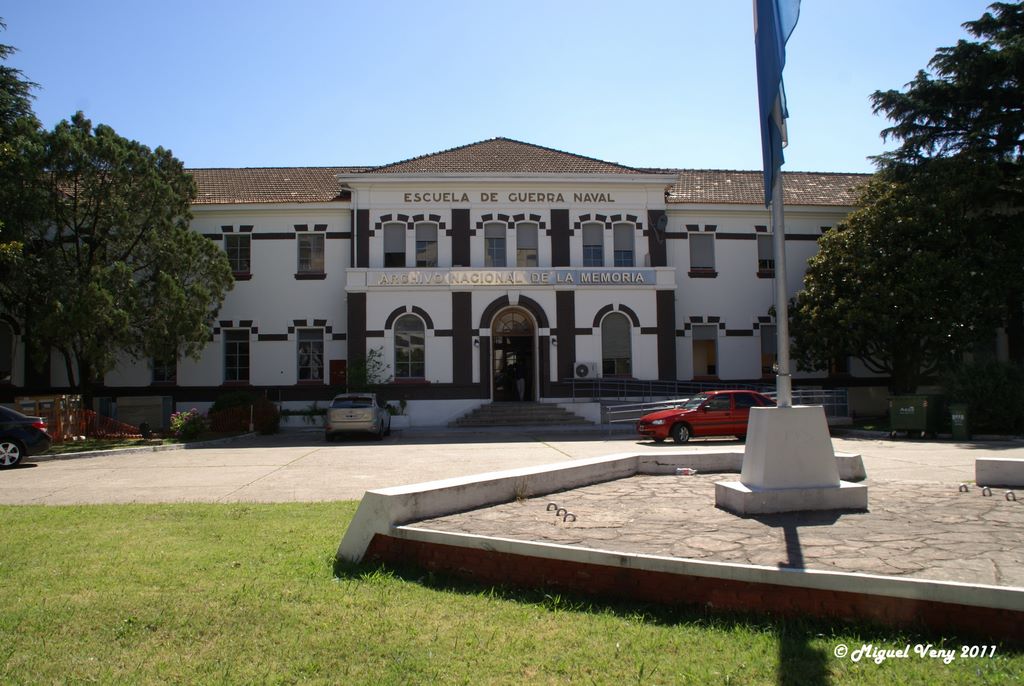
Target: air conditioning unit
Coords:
[(584, 370)]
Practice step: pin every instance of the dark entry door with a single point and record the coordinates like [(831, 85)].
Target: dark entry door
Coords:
[(513, 368)]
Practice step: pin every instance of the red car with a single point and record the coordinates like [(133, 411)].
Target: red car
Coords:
[(715, 413)]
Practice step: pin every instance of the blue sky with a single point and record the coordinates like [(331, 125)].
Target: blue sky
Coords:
[(353, 82)]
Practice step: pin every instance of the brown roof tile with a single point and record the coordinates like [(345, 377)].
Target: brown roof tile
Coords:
[(268, 185), (502, 156), (505, 156), (713, 186)]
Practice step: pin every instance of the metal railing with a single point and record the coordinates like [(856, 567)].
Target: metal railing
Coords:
[(835, 403), (603, 388)]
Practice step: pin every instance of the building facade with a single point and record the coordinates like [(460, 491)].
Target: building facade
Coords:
[(495, 271)]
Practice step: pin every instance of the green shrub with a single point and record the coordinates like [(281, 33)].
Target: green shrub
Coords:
[(262, 413), (234, 399), (993, 392), (188, 425)]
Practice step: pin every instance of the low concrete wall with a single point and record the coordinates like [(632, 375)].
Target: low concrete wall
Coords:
[(999, 471)]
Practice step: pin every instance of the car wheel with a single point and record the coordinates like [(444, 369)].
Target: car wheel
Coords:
[(680, 433), (10, 453), (380, 432)]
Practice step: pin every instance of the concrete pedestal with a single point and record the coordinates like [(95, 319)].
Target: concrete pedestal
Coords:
[(788, 466)]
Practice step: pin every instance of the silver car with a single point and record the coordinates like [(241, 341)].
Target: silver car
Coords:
[(356, 413)]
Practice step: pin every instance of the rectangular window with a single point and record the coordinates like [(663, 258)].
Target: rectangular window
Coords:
[(769, 346), (593, 245), (426, 245), (702, 252), (526, 245), (705, 350), (494, 245), (311, 253), (165, 370), (394, 245), (236, 356), (622, 238), (765, 254), (311, 355), (238, 249)]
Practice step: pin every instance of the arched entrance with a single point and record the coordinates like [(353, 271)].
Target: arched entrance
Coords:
[(513, 336)]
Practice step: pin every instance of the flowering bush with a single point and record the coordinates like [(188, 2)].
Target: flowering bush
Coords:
[(188, 425)]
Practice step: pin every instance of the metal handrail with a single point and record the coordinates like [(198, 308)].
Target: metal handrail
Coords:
[(835, 403)]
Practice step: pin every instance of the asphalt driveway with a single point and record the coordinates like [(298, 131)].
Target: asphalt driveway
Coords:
[(300, 466)]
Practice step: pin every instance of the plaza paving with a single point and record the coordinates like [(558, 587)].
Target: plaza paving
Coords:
[(918, 525), (922, 529)]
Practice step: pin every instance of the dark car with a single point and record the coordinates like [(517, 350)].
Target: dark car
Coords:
[(715, 413), (21, 436)]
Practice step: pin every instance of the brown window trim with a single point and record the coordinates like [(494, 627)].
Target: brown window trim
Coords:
[(310, 276), (242, 276), (702, 274), (411, 381), (766, 273)]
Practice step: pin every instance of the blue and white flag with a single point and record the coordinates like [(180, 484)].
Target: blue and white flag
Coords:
[(774, 21)]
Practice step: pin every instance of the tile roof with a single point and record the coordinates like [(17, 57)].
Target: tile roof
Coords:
[(714, 186), (268, 185), (502, 156), (505, 156)]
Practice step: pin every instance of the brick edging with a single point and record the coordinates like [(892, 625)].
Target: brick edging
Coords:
[(720, 594)]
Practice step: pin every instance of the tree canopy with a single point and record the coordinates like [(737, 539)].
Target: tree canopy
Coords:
[(99, 258), (932, 260)]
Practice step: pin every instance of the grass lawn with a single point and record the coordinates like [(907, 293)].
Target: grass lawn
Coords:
[(245, 594)]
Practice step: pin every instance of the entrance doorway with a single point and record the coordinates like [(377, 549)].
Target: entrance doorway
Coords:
[(512, 356)]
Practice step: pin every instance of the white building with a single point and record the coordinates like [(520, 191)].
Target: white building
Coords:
[(469, 269)]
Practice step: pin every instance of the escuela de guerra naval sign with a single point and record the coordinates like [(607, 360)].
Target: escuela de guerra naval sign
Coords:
[(512, 196), (512, 277)]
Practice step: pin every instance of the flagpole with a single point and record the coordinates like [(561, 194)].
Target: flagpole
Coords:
[(783, 380)]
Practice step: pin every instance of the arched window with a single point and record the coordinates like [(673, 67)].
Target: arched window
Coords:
[(616, 346), (410, 348), (526, 244), (593, 244), (6, 353), (622, 239), (394, 244), (494, 244), (426, 244)]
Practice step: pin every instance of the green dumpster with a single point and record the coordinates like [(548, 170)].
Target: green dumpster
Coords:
[(960, 421), (915, 414)]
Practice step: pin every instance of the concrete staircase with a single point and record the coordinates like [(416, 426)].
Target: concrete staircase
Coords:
[(519, 414)]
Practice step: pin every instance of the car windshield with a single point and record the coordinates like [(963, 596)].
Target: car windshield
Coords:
[(340, 403), (694, 402)]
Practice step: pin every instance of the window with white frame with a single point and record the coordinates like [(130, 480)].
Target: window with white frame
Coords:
[(239, 248), (310, 351), (702, 252), (410, 348), (311, 253), (494, 245), (526, 244), (593, 244), (616, 345), (705, 349), (622, 242), (394, 245), (426, 244), (165, 370), (236, 355), (765, 253)]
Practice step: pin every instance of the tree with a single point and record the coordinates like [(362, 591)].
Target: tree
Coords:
[(111, 266), (932, 260), (904, 284), (19, 131), (971, 109)]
